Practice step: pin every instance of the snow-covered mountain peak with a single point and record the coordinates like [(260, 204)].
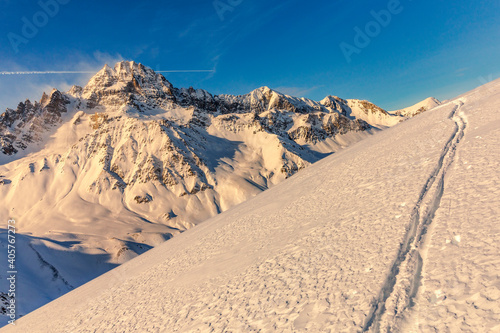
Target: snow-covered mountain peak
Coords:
[(334, 102), (126, 72), (265, 98), (263, 91), (28, 123), (128, 83), (432, 100), (75, 91), (363, 110), (418, 108), (367, 107), (371, 113)]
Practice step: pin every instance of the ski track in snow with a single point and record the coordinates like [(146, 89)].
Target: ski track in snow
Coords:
[(56, 275), (460, 280), (403, 281)]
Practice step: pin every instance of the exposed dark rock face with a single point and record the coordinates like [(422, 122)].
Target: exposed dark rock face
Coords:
[(26, 124)]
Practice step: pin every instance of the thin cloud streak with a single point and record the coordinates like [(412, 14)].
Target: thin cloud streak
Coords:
[(189, 71), (88, 72), (45, 72)]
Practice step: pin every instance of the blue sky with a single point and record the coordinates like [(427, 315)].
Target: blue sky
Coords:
[(429, 48)]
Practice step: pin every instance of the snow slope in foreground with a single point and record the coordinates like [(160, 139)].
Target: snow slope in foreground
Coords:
[(398, 232)]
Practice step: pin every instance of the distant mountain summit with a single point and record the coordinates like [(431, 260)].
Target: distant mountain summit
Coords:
[(418, 108), (127, 84), (25, 125), (107, 171)]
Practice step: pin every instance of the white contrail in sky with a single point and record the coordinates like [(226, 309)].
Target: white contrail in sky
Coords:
[(189, 71), (86, 72), (44, 72)]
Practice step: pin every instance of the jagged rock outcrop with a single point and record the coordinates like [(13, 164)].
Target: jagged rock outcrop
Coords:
[(29, 121)]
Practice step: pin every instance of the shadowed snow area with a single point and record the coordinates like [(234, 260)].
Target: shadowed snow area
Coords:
[(398, 232)]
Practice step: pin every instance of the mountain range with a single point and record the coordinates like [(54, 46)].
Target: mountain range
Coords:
[(100, 174)]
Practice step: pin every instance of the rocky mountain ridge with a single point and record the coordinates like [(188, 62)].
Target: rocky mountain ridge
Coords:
[(133, 86), (25, 125)]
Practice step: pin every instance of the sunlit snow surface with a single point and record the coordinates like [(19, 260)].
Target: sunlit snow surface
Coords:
[(399, 232)]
